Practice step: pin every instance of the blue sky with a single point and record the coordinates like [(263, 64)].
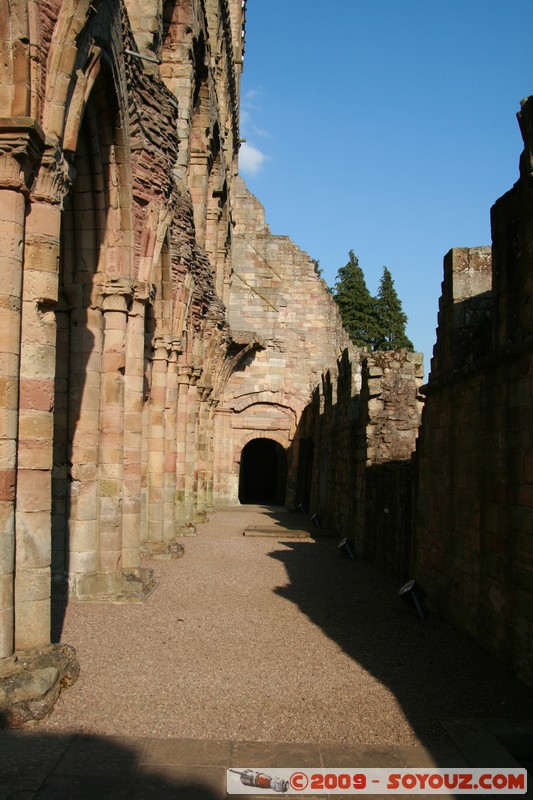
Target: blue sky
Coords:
[(387, 128)]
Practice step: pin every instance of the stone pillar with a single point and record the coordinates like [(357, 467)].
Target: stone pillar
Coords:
[(84, 408), (36, 423), (222, 282), (116, 296), (204, 393), (26, 383), (156, 447), (198, 181), (109, 577), (210, 452), (182, 443), (171, 414), (211, 237), (133, 417), (21, 144), (190, 497), (224, 492)]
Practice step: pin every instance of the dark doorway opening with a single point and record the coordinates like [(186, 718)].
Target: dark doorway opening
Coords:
[(263, 474)]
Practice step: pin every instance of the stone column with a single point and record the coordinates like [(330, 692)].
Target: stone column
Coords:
[(84, 392), (198, 181), (211, 237), (225, 483), (36, 403), (156, 454), (182, 443), (171, 415), (116, 297), (21, 144), (190, 496), (221, 276), (204, 393), (210, 452), (133, 432)]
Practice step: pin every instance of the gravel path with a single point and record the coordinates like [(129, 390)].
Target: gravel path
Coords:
[(274, 640)]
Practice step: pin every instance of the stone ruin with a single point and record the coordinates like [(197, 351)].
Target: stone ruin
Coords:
[(162, 351)]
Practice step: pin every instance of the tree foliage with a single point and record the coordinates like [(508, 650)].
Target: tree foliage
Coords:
[(392, 320), (374, 322), (356, 304)]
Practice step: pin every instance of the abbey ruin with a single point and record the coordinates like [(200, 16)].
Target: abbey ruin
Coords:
[(163, 352)]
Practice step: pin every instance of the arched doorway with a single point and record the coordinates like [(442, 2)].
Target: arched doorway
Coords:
[(263, 473)]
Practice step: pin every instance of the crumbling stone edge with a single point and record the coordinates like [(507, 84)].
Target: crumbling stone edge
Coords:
[(31, 683)]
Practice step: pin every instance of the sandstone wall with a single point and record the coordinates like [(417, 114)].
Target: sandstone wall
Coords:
[(361, 430), (118, 148), (474, 513), (290, 331)]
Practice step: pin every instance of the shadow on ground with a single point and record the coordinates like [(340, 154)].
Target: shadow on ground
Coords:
[(435, 672), (45, 767)]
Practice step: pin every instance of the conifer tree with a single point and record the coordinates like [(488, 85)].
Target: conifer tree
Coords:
[(392, 320), (356, 305)]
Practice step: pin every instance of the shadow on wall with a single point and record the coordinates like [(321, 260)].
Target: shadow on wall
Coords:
[(353, 452), (85, 767), (433, 671)]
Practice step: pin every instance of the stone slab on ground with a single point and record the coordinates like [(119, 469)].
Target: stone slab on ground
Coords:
[(41, 766), (277, 533)]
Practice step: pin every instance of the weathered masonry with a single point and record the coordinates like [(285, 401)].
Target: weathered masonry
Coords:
[(158, 344), (473, 547), (119, 136), (162, 351)]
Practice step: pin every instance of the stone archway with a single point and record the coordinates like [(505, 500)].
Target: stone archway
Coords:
[(263, 472)]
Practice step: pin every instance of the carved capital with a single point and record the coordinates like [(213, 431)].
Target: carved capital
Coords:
[(184, 374), (143, 291), (162, 348), (117, 294), (21, 146), (204, 392), (54, 179)]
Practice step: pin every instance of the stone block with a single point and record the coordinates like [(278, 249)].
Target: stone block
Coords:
[(7, 485), (32, 620), (83, 563), (32, 584), (33, 490), (36, 425), (33, 539)]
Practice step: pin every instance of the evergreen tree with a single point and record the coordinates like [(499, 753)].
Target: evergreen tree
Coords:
[(392, 320), (356, 305)]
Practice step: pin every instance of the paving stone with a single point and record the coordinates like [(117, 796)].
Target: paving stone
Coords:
[(101, 756), (251, 755), (86, 787), (186, 751), (181, 783), (356, 755), (26, 758)]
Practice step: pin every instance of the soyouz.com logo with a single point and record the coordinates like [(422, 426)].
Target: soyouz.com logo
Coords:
[(407, 781)]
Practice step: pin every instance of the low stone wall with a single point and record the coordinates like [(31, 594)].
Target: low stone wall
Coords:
[(356, 442)]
